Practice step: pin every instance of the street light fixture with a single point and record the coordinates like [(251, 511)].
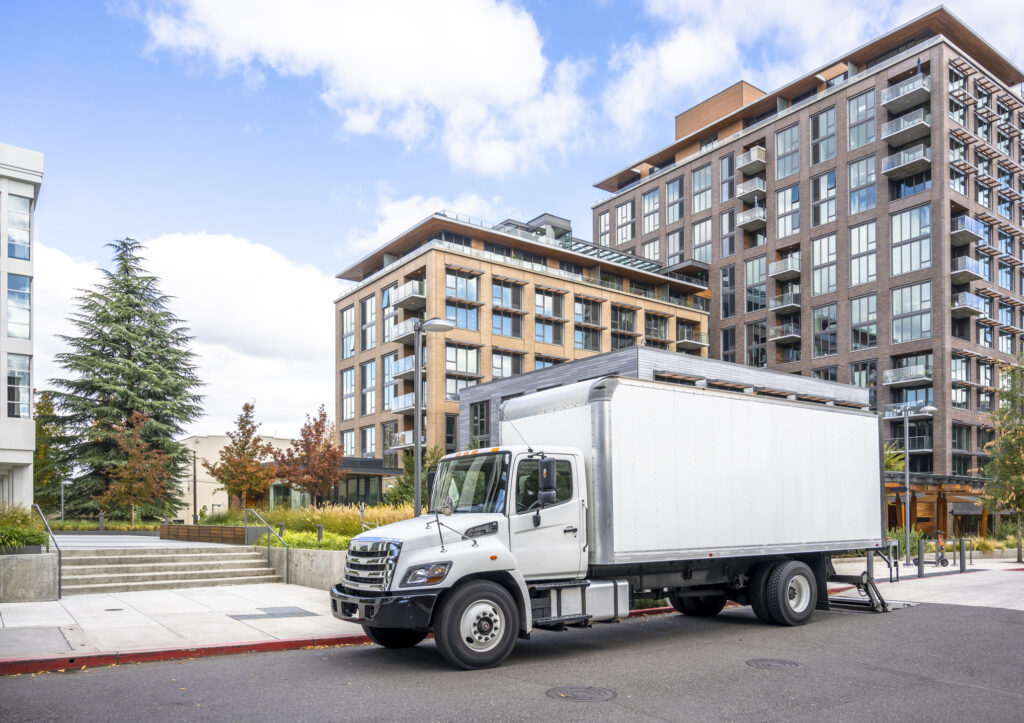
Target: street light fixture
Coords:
[(63, 483), (419, 328), (926, 409), (195, 483)]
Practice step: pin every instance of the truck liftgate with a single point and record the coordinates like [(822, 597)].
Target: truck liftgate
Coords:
[(871, 599)]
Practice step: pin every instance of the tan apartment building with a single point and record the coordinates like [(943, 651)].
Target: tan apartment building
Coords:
[(521, 296), (861, 224)]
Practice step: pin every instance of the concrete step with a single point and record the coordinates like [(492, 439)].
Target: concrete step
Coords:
[(87, 560), (71, 571), (175, 575), (165, 585), (138, 551)]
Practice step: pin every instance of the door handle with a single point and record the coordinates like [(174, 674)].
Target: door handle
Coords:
[(570, 529)]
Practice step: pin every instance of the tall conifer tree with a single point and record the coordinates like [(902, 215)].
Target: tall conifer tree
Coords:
[(129, 354)]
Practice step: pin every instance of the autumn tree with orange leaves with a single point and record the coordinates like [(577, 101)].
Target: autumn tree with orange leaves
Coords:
[(243, 470), (313, 461), (143, 477)]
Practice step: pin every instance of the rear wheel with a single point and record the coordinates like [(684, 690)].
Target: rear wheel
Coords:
[(394, 637), (792, 593), (477, 625), (757, 591), (704, 606)]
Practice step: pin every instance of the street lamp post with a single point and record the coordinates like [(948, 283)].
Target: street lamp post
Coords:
[(63, 484), (927, 409), (195, 485), (419, 328)]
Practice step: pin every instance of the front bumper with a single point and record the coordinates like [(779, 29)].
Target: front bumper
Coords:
[(398, 611)]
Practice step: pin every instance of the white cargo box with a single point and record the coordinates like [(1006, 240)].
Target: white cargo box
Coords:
[(677, 473)]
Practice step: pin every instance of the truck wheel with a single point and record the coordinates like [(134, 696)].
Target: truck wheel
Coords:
[(705, 606), (394, 637), (792, 593), (477, 625), (757, 591)]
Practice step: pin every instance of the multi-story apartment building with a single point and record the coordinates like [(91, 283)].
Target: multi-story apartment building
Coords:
[(521, 296), (862, 224), (21, 173)]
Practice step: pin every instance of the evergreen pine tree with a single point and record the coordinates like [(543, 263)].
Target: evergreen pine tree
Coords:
[(48, 469), (130, 354)]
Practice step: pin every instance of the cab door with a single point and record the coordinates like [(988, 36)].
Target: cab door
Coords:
[(552, 548)]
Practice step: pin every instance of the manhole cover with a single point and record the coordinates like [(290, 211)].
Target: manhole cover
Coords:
[(581, 693), (774, 664)]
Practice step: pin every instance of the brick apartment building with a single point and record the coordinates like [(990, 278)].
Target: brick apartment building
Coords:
[(522, 296), (861, 224)]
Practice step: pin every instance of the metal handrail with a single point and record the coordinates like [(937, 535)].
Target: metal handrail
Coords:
[(287, 547), (52, 537)]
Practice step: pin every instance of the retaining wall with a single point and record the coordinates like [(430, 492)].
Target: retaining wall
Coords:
[(28, 578)]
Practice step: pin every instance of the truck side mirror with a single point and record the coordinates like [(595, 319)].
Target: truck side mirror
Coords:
[(546, 497), (547, 475)]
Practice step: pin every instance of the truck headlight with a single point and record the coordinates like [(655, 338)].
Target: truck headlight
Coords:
[(429, 574)]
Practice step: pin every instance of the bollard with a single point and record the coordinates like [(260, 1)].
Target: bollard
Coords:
[(101, 520), (319, 533), (963, 556), (920, 558), (280, 529), (871, 564)]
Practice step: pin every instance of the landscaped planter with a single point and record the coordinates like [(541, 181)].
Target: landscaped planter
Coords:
[(24, 550), (28, 578), (208, 533)]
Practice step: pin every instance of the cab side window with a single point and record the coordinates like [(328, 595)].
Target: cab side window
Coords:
[(528, 484)]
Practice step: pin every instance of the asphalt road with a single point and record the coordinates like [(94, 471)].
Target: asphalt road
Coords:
[(923, 663)]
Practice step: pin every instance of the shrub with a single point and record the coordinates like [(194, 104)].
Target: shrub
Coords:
[(20, 527), (85, 525), (308, 541), (897, 533), (338, 519)]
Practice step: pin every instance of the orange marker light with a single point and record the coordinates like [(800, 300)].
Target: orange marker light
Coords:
[(494, 557)]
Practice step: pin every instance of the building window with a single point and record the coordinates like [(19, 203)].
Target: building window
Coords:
[(506, 323), (543, 362), (460, 285), (728, 294), (825, 331), (19, 386), (728, 353), (862, 185), (656, 331), (586, 311), (982, 128), (588, 339), (702, 241), (984, 333), (505, 365), (368, 319), (479, 422), (906, 187), (604, 228), (623, 319), (461, 359), (1005, 277), (787, 152), (757, 344), (727, 224), (863, 263), (982, 194), (547, 303), (960, 369), (624, 223), (823, 136), (727, 168), (961, 398), (388, 432), (19, 306), (1005, 314), (389, 384), (464, 316), (454, 385), (755, 277), (652, 250), (451, 433), (864, 322), (507, 294), (823, 275), (675, 247), (787, 211), (548, 332), (368, 386), (910, 237), (823, 198), (958, 112), (828, 374), (19, 221), (388, 311), (1006, 342), (861, 119), (673, 201), (348, 442), (912, 312), (368, 441), (958, 180), (864, 374), (348, 394), (651, 207), (348, 332), (702, 189)]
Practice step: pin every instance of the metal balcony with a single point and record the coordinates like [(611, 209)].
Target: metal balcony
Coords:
[(691, 340), (752, 218), (750, 190), (784, 333), (895, 411), (907, 376), (404, 332), (751, 162), (785, 303), (967, 304), (907, 128), (907, 162), (921, 443), (787, 268), (915, 90), (404, 368), (965, 270), (965, 230), (403, 404), (410, 295)]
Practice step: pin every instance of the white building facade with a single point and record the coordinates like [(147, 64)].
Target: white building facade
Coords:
[(21, 174)]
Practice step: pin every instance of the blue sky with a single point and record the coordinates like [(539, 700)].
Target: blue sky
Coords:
[(258, 146)]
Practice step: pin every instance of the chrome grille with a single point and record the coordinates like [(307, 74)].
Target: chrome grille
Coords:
[(370, 563)]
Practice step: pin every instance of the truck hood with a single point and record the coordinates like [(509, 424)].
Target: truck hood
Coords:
[(421, 532)]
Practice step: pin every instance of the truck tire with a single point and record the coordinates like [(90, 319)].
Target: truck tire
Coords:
[(705, 606), (477, 625), (792, 593), (757, 591), (394, 637)]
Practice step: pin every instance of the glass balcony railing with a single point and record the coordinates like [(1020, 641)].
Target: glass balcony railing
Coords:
[(906, 375), (971, 303), (915, 85), (965, 266), (784, 300), (920, 443), (916, 120), (895, 411), (403, 403), (409, 295), (752, 187), (692, 336), (757, 216), (752, 160), (403, 331), (790, 265), (406, 365), (784, 331), (908, 161), (967, 225)]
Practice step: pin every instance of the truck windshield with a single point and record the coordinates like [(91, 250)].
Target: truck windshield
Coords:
[(477, 483)]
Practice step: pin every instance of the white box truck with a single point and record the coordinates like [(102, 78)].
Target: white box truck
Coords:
[(614, 487)]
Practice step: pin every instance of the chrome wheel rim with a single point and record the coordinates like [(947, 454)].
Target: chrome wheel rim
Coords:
[(482, 625), (798, 595)]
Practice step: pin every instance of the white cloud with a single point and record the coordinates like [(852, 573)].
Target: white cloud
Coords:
[(471, 74), (263, 324)]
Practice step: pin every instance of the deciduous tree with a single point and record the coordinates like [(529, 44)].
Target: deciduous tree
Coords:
[(404, 491), (143, 475), (242, 470), (48, 467), (313, 461), (1004, 488)]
